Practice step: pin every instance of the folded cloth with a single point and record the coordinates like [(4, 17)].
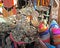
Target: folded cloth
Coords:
[(56, 41), (56, 36), (45, 38), (56, 30)]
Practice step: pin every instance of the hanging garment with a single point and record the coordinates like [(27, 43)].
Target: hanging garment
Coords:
[(56, 35)]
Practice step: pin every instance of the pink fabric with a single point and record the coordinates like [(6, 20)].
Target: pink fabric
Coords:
[(56, 30), (15, 45)]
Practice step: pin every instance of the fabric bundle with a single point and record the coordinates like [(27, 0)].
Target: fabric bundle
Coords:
[(56, 35), (54, 32), (44, 33), (45, 37)]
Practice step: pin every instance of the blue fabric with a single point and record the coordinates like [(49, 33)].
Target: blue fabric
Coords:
[(44, 33), (54, 24), (50, 46), (12, 45)]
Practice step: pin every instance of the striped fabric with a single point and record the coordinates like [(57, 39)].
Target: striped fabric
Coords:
[(56, 35), (56, 39), (45, 36)]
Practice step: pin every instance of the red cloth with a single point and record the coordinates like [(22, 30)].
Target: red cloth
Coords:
[(14, 11), (8, 3)]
